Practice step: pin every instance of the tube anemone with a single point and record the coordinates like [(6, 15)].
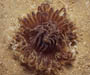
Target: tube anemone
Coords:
[(45, 39)]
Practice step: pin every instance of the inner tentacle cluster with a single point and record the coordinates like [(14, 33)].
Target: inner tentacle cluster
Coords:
[(46, 37), (46, 32)]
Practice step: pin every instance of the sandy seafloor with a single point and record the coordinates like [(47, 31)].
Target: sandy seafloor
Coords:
[(79, 13)]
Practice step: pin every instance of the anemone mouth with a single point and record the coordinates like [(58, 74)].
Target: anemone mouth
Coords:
[(45, 38)]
